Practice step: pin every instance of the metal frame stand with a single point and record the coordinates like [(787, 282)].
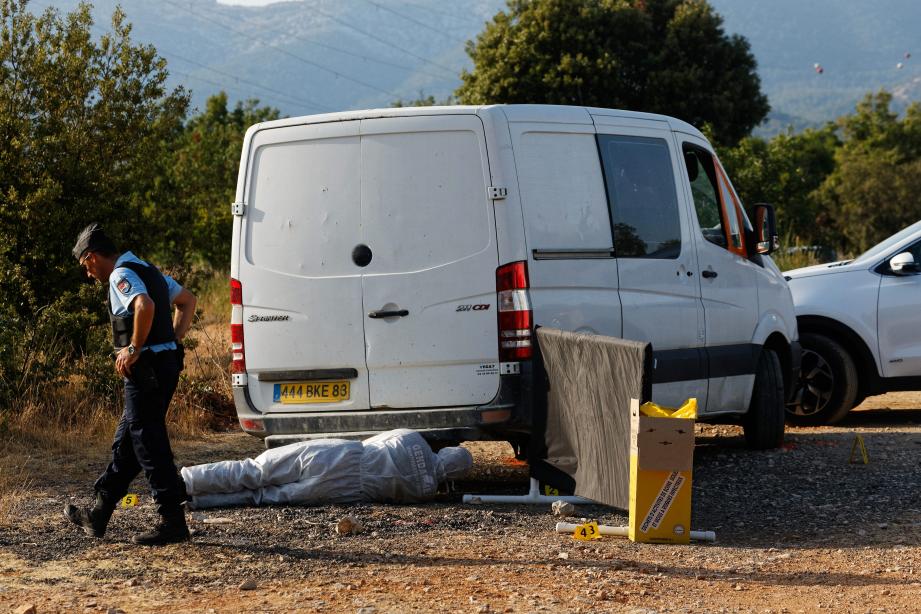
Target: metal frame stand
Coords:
[(533, 496)]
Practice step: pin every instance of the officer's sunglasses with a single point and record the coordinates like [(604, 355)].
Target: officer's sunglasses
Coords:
[(85, 258)]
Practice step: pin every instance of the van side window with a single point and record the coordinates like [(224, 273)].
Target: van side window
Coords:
[(562, 191), (641, 196), (702, 175), (718, 209)]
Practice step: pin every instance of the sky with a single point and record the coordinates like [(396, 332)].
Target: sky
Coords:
[(252, 2)]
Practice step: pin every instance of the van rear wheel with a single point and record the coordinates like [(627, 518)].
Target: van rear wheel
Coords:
[(828, 383), (764, 422)]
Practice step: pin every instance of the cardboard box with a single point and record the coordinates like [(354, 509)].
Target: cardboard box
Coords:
[(661, 467)]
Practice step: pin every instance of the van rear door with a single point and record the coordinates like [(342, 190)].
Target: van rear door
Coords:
[(429, 290), (302, 306)]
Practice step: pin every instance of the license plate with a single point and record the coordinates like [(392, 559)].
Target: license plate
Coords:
[(312, 392)]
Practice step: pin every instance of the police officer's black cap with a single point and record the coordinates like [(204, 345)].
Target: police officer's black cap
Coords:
[(92, 239)]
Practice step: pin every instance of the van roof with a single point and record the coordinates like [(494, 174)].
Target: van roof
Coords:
[(514, 113)]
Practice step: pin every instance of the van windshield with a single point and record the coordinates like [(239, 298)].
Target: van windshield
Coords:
[(880, 248)]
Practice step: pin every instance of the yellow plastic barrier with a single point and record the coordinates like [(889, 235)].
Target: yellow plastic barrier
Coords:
[(661, 468), (688, 410)]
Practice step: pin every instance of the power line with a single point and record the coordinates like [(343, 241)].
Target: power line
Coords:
[(280, 50), (204, 80), (284, 96), (414, 20), (440, 12), (353, 54), (320, 66), (279, 95), (382, 41), (304, 102)]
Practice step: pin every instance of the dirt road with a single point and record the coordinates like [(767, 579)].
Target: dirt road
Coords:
[(799, 530)]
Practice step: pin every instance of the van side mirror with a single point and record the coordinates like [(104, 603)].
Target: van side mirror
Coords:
[(766, 240), (904, 264)]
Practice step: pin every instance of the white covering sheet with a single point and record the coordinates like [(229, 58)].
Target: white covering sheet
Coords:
[(397, 466)]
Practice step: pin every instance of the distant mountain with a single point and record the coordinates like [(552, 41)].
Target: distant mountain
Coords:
[(309, 56), (306, 57), (858, 44)]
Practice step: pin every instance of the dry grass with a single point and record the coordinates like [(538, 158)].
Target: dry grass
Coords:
[(47, 434), (73, 419), (203, 400), (795, 260), (796, 254), (50, 429), (14, 488)]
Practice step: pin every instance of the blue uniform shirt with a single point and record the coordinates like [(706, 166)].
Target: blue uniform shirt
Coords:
[(124, 285)]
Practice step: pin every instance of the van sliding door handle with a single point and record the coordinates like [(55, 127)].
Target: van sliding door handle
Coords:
[(388, 314), (709, 274)]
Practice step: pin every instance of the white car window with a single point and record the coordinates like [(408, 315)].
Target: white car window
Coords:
[(881, 248)]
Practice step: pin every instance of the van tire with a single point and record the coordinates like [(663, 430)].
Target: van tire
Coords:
[(764, 422), (825, 362)]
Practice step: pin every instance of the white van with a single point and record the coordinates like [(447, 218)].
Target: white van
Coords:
[(389, 267)]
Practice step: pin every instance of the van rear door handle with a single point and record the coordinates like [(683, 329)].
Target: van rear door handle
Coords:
[(709, 274), (388, 314)]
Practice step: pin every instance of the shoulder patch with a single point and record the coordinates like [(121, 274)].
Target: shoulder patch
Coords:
[(123, 285)]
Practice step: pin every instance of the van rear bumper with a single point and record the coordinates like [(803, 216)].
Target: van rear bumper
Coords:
[(443, 423)]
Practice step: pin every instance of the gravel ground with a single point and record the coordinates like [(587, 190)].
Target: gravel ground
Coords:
[(799, 529)]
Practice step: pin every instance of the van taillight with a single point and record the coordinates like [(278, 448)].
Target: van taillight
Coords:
[(515, 316), (236, 327), (236, 292)]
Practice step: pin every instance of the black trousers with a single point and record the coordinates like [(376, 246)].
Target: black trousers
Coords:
[(141, 441)]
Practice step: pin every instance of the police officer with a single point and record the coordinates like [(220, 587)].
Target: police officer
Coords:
[(149, 358)]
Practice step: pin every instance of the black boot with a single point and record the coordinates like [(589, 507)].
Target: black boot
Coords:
[(170, 530), (93, 520)]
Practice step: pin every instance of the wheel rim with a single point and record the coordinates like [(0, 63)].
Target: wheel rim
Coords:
[(816, 385)]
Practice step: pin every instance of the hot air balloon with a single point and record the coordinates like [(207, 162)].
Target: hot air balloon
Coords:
[(818, 68)]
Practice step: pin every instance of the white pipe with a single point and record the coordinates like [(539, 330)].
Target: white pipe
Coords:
[(533, 496), (568, 527)]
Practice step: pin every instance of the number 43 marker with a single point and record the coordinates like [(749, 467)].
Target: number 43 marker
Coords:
[(587, 532)]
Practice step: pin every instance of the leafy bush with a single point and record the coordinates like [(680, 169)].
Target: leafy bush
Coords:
[(86, 126), (845, 187), (31, 354), (89, 132)]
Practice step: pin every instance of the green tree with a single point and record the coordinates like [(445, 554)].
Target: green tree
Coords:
[(786, 171), (84, 127), (203, 175), (661, 56), (873, 191)]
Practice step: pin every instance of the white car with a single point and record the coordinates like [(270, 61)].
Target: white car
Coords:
[(860, 328)]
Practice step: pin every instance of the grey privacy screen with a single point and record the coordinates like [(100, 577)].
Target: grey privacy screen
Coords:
[(580, 440)]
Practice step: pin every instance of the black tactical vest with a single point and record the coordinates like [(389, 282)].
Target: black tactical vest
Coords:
[(161, 330)]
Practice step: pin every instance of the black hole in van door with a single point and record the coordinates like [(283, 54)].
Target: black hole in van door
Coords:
[(361, 255)]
